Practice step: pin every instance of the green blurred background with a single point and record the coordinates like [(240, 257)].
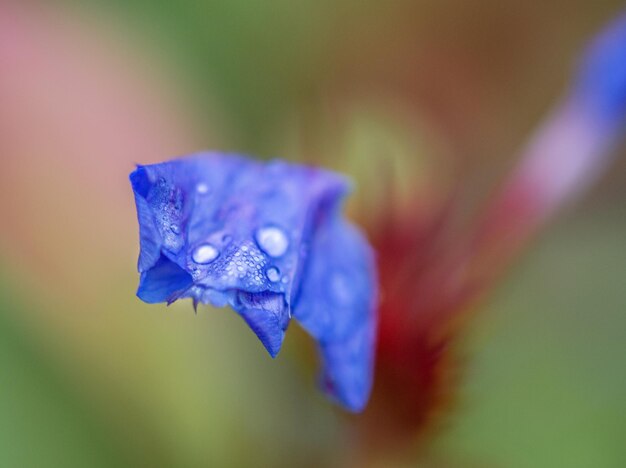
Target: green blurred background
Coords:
[(90, 376)]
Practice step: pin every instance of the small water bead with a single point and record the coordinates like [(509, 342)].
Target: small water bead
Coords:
[(272, 240), (175, 229), (273, 274), (202, 188), (205, 253)]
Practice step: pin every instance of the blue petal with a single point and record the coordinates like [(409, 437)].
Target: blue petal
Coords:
[(149, 237), (337, 306), (348, 367), (266, 239), (601, 80), (267, 315), (164, 280)]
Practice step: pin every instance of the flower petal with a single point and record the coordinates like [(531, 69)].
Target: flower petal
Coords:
[(164, 280), (267, 315), (149, 237), (337, 307), (348, 367), (601, 79)]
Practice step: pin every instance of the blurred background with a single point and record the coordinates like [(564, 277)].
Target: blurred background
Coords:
[(440, 95)]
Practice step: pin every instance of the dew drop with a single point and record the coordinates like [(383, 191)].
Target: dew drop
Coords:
[(174, 228), (272, 241), (205, 253), (273, 274), (202, 188)]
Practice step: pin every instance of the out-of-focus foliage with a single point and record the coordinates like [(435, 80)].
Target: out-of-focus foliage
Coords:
[(545, 385)]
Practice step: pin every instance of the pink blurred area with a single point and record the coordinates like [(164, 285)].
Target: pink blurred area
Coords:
[(78, 107)]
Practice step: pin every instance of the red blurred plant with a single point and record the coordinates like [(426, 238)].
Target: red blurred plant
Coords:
[(434, 272)]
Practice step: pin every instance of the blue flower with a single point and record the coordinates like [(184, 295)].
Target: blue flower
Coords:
[(269, 240), (601, 78)]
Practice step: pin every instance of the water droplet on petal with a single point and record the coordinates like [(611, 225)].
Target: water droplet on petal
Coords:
[(202, 188), (205, 253), (285, 279), (272, 241), (175, 229), (273, 274)]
